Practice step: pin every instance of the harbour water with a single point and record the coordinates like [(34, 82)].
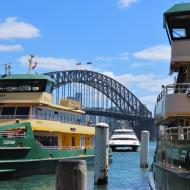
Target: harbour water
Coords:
[(124, 174)]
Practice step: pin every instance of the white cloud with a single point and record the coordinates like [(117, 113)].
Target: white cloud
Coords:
[(126, 3), (52, 63), (104, 58), (138, 65), (155, 53), (124, 56), (13, 28), (8, 48)]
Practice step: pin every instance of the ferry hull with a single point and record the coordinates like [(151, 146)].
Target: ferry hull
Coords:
[(24, 155), (166, 179), (21, 168)]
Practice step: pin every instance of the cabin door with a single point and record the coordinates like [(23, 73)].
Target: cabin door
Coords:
[(73, 141), (82, 141)]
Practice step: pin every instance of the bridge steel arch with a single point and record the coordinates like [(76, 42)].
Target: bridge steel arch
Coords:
[(124, 99)]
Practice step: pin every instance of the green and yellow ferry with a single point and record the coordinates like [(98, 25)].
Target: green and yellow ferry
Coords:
[(35, 133)]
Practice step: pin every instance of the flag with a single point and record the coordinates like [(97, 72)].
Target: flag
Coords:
[(34, 66), (78, 64), (88, 63)]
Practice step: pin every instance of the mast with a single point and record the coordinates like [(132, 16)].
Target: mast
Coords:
[(7, 68), (30, 59)]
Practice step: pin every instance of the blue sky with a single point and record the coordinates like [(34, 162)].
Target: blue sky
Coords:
[(124, 39)]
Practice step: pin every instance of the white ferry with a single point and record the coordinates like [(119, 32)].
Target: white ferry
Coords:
[(124, 139)]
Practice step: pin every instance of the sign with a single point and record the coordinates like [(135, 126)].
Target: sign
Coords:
[(8, 142)]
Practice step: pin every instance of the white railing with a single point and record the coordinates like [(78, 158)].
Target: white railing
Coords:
[(41, 117), (175, 133), (12, 134), (174, 88)]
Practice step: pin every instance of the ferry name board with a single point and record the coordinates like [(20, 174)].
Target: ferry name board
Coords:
[(8, 142)]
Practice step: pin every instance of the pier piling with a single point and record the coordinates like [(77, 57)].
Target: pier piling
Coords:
[(144, 149), (101, 154), (71, 175)]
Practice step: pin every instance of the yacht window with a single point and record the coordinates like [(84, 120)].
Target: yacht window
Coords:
[(124, 133), (8, 111), (2, 89), (123, 139)]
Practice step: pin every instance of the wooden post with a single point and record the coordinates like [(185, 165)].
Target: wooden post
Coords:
[(144, 149), (71, 175), (101, 154)]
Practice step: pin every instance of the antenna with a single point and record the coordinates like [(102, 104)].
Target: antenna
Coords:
[(30, 58), (7, 68)]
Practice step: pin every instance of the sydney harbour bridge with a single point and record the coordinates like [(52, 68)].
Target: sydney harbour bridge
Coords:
[(103, 96)]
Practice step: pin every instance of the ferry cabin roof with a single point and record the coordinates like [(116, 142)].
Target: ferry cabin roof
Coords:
[(176, 22), (39, 88), (26, 83)]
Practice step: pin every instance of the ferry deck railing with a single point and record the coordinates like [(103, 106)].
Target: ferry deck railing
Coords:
[(173, 158), (175, 133), (174, 88), (41, 117), (13, 134)]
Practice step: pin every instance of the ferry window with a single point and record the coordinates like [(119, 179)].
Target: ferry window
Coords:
[(2, 86), (11, 89), (35, 88), (44, 113), (51, 114), (39, 112), (22, 111), (8, 111), (47, 140), (49, 87), (59, 116), (55, 115), (11, 86), (179, 33), (48, 114), (24, 88), (39, 85)]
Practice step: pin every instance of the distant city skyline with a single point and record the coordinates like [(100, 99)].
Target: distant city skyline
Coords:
[(123, 39)]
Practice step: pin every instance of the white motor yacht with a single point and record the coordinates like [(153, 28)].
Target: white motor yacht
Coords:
[(124, 139)]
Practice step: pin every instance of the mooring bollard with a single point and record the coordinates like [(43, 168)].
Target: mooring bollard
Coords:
[(144, 149), (71, 175), (101, 154)]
